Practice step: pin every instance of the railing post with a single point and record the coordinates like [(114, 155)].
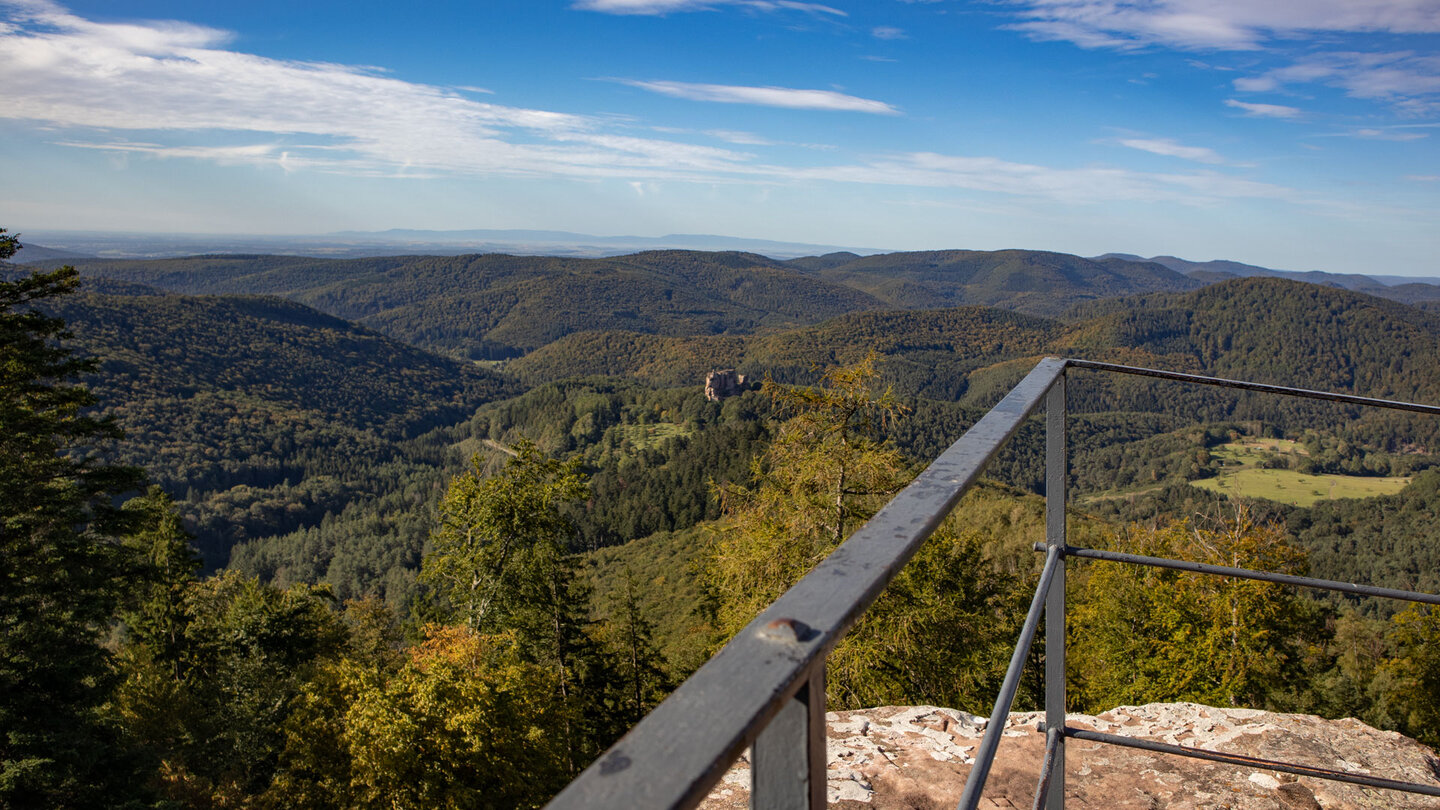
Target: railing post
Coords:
[(1055, 481), (787, 768)]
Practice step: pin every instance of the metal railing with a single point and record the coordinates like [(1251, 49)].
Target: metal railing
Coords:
[(766, 688)]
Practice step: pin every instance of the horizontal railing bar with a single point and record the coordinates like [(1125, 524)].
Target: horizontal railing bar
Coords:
[(675, 754), (985, 754), (1253, 762), (1251, 386), (1047, 769), (1246, 573)]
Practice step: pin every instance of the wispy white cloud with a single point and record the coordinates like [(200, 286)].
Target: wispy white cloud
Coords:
[(1169, 148), (654, 7), (1387, 135), (1423, 178), (1216, 24), (1263, 110), (741, 138), (1073, 186), (1257, 84), (1405, 79), (64, 71), (788, 97), (888, 32)]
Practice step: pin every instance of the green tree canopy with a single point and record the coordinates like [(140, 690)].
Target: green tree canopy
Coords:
[(1415, 669), (502, 539), (940, 633), (1142, 634), (464, 722), (824, 474), (501, 562)]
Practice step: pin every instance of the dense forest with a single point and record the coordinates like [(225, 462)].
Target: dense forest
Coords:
[(434, 531)]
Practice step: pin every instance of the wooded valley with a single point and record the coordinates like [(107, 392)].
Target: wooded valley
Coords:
[(434, 531)]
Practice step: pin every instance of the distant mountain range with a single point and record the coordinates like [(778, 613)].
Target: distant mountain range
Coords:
[(393, 242), (1221, 270), (496, 306), (530, 242)]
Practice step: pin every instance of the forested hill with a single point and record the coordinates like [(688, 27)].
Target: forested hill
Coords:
[(927, 352), (1419, 292), (1033, 281), (493, 306), (1277, 331), (277, 351), (267, 414), (1268, 330), (263, 413)]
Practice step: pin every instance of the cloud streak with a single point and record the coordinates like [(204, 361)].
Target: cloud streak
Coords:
[(657, 7), (1082, 186), (1169, 148), (1216, 24), (1405, 79), (1263, 110), (787, 97)]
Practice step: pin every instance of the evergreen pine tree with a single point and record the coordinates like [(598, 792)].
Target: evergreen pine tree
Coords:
[(63, 570)]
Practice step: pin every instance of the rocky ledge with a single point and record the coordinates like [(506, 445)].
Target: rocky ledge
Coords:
[(919, 756)]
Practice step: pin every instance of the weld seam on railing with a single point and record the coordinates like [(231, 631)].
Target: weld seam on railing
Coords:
[(1306, 393), (985, 754), (1253, 762), (1246, 573), (726, 703), (1047, 768)]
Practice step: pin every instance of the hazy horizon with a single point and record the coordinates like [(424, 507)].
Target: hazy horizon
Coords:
[(1291, 136)]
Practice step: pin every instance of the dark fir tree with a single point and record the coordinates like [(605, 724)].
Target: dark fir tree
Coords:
[(62, 566)]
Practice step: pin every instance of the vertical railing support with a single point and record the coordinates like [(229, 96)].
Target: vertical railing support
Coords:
[(787, 768), (1055, 481)]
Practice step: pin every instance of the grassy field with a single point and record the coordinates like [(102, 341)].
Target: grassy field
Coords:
[(1243, 475), (645, 437)]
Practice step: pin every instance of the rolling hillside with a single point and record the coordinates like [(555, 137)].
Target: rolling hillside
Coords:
[(494, 306), (1397, 288), (1031, 281), (927, 352), (1271, 330), (261, 413), (271, 414)]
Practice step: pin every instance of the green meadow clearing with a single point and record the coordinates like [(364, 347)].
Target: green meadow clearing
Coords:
[(649, 437), (1243, 475)]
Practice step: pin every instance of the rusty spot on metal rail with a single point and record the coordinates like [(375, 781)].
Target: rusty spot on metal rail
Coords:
[(791, 631)]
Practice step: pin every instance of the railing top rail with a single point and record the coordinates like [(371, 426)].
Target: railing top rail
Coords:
[(1306, 393), (681, 749)]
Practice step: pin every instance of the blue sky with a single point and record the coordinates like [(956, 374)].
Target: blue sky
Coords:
[(1299, 134)]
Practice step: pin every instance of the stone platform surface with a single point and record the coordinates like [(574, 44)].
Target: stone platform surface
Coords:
[(917, 758)]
